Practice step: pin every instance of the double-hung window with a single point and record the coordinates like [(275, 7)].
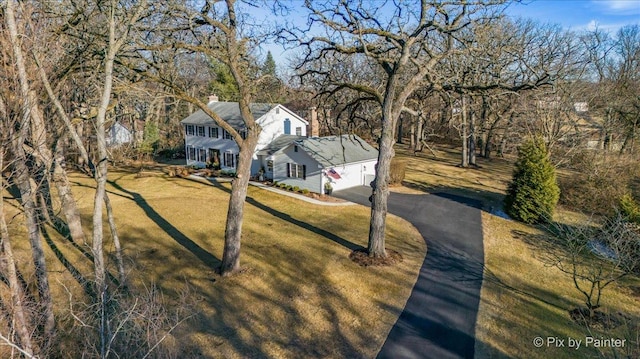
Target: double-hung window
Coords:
[(295, 170), (226, 135), (201, 131), (191, 153), (229, 160), (189, 129), (202, 155), (213, 132)]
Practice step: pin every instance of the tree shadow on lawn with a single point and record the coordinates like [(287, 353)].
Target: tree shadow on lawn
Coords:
[(285, 319), (284, 216), (487, 201), (209, 259), (75, 273), (274, 307)]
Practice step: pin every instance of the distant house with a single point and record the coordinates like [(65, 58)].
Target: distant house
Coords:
[(206, 142), (118, 134), (343, 161)]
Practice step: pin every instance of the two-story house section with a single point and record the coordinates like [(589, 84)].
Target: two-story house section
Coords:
[(206, 142)]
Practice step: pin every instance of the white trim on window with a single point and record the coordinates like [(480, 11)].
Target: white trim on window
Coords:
[(213, 132), (190, 153), (229, 159), (295, 170)]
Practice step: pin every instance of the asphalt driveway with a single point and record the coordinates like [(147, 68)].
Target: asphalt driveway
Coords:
[(439, 318)]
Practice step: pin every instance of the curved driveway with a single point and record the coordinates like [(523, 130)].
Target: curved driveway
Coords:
[(439, 318)]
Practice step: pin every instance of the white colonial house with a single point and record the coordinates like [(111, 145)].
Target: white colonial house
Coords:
[(206, 142), (341, 161), (284, 153)]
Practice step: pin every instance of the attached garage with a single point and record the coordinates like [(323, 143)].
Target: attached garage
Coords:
[(312, 163)]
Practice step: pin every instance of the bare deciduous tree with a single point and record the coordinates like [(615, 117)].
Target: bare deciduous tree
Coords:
[(221, 33), (406, 42), (596, 256)]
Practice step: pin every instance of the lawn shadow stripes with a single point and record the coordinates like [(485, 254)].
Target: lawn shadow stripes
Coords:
[(75, 273), (286, 217), (207, 258), (335, 238)]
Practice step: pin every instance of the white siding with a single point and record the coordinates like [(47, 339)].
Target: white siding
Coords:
[(353, 174), (206, 142), (272, 124), (118, 135)]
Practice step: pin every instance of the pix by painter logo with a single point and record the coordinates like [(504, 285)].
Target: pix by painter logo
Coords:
[(557, 342)]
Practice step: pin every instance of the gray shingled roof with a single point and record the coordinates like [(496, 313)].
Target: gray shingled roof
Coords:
[(337, 150), (229, 112), (279, 143)]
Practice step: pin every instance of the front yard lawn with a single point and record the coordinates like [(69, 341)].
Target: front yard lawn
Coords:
[(299, 294)]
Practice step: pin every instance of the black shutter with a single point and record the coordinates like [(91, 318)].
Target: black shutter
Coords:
[(304, 172), (288, 169)]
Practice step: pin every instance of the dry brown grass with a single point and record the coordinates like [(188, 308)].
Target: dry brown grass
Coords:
[(522, 297), (299, 294), (487, 183)]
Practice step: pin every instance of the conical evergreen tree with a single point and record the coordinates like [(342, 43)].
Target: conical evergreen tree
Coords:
[(533, 192), (269, 66)]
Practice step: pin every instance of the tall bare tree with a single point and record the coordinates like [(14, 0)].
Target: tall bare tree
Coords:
[(22, 174), (406, 42), (8, 266), (223, 34)]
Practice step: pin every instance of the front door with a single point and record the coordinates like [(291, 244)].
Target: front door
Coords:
[(214, 157)]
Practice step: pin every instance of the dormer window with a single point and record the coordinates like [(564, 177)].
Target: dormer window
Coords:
[(295, 148)]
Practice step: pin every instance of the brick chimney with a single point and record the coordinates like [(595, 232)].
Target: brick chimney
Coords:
[(213, 98), (314, 126)]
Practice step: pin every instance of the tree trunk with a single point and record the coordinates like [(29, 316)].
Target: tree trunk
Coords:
[(235, 212), (472, 139), (463, 133), (400, 132), (482, 143), (489, 138), (27, 196), (27, 199), (419, 134), (380, 192), (413, 134), (101, 181), (21, 323), (116, 241), (67, 201)]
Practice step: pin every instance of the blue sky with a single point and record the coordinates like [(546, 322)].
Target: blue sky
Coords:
[(578, 15), (608, 15)]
